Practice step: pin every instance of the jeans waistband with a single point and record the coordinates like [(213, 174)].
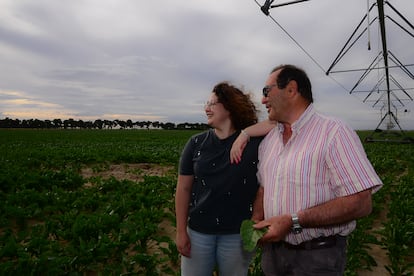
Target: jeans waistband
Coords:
[(317, 243)]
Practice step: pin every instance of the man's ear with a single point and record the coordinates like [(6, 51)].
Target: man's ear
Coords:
[(292, 87)]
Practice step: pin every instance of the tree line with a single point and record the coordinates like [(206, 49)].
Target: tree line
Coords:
[(97, 124)]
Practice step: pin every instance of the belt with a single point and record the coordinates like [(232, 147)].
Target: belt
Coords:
[(318, 243)]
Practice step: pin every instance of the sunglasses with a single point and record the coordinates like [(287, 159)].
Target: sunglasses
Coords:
[(267, 89)]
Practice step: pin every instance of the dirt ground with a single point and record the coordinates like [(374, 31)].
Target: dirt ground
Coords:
[(136, 172), (381, 258)]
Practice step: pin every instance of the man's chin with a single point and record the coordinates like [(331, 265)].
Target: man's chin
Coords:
[(270, 115)]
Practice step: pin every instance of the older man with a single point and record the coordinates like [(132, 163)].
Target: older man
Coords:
[(315, 180)]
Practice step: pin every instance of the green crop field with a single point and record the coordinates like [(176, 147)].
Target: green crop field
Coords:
[(101, 202)]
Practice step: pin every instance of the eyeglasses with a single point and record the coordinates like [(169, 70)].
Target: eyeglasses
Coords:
[(210, 104), (267, 89)]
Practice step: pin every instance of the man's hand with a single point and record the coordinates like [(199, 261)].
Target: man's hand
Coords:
[(278, 228)]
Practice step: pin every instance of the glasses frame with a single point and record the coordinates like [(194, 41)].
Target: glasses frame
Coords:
[(209, 104), (266, 90)]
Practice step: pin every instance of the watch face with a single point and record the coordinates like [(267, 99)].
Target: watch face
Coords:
[(297, 230)]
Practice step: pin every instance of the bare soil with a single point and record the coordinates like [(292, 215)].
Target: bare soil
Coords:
[(133, 172)]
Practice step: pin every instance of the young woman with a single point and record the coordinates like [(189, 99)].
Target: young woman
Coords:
[(213, 195)]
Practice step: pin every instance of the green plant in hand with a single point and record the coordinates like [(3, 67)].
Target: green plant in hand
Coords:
[(250, 235)]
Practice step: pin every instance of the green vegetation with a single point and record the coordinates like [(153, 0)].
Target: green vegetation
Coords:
[(390, 225), (52, 223), (54, 220), (250, 235)]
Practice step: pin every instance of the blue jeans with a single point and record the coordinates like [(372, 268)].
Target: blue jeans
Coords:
[(207, 251)]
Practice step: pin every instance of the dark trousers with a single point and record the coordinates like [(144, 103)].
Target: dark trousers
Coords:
[(280, 259)]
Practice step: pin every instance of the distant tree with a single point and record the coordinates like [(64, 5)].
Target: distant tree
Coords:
[(169, 126), (140, 124), (24, 124), (98, 124), (48, 124), (69, 123), (79, 124), (129, 124), (181, 126), (38, 123), (31, 123), (57, 123), (156, 124), (107, 124), (122, 124), (147, 124), (10, 123), (89, 125)]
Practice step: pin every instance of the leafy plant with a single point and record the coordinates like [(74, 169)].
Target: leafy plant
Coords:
[(51, 223), (250, 235)]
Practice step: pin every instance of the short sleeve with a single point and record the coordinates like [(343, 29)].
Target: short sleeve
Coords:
[(351, 171), (186, 159)]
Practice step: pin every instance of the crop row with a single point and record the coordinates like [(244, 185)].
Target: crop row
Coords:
[(110, 227), (54, 221), (391, 224)]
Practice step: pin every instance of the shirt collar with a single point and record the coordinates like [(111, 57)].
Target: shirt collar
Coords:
[(303, 119)]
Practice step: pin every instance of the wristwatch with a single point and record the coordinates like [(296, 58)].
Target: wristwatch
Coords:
[(296, 228)]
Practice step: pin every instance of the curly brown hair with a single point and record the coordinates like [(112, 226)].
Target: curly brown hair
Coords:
[(243, 111)]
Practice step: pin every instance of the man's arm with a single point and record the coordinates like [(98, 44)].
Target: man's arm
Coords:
[(258, 211), (336, 211)]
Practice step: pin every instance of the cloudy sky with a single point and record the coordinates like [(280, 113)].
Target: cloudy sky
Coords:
[(158, 60)]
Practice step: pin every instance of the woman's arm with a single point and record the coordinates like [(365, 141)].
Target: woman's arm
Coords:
[(182, 200), (259, 129)]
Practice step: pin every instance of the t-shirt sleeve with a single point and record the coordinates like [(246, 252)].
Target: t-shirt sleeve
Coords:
[(186, 159)]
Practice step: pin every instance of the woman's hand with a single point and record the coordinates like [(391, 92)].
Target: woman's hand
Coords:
[(238, 148), (183, 244), (256, 130)]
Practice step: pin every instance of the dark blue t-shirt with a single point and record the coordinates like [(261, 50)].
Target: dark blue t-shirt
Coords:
[(222, 193)]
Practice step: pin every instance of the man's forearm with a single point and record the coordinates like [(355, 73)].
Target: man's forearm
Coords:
[(337, 211), (258, 211)]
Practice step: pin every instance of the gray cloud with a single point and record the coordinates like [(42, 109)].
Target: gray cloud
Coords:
[(152, 60)]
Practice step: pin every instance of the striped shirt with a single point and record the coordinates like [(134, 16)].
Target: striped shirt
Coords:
[(323, 159)]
